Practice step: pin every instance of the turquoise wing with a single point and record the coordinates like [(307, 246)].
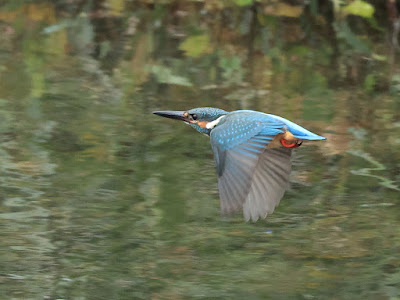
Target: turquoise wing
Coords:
[(250, 176)]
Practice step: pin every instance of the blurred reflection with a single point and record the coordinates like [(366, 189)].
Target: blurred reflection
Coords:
[(102, 199)]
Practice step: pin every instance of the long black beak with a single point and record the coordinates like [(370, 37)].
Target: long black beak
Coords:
[(177, 115)]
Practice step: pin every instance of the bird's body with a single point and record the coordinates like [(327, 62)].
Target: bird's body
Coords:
[(252, 152)]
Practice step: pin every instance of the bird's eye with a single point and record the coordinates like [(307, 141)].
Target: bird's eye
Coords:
[(194, 116)]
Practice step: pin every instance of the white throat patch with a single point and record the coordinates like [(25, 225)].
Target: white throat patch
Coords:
[(211, 125)]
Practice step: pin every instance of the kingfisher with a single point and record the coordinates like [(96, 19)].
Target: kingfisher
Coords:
[(252, 153)]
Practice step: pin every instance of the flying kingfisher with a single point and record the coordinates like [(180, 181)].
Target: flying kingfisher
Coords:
[(252, 152)]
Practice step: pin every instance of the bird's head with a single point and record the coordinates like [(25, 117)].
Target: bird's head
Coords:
[(203, 119)]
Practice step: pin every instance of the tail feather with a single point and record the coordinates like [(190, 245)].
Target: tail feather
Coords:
[(309, 137)]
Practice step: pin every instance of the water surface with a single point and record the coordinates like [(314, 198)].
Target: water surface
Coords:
[(100, 199)]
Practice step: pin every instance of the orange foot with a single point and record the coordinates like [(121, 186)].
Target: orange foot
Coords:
[(287, 144)]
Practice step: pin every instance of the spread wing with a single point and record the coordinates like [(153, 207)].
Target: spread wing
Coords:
[(270, 180), (250, 176)]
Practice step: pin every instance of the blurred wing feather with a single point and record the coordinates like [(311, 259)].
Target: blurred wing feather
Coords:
[(269, 182), (249, 175), (234, 181)]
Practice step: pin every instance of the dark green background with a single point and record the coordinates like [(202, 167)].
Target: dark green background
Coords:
[(100, 199)]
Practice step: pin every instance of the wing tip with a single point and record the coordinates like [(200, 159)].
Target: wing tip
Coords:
[(255, 217)]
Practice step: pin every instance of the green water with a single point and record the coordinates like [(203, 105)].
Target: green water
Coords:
[(100, 199)]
